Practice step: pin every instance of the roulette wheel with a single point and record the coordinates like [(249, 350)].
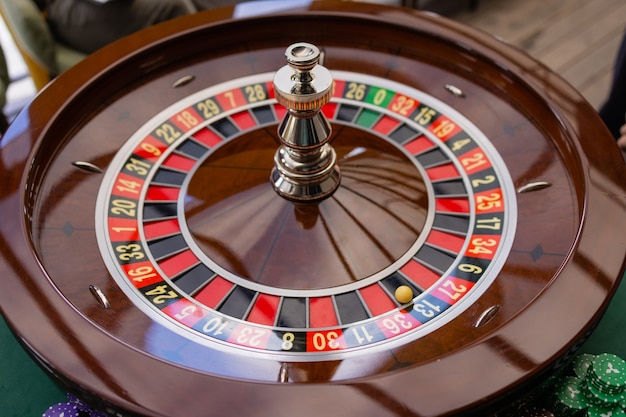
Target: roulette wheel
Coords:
[(342, 209)]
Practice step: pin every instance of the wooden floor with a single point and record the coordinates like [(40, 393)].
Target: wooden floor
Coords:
[(578, 39)]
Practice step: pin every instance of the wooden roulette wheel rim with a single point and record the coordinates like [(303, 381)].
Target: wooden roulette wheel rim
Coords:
[(558, 266)]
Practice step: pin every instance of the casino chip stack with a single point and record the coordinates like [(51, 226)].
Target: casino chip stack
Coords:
[(568, 400), (581, 364), (605, 385), (597, 389)]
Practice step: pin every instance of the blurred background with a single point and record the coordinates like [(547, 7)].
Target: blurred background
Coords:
[(577, 39)]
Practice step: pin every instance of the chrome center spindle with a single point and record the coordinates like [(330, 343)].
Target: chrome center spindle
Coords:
[(305, 164)]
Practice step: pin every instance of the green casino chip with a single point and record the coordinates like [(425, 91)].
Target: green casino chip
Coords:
[(581, 364), (569, 397), (607, 373), (607, 411), (597, 397)]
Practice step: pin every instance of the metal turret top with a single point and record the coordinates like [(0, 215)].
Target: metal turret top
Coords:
[(305, 164)]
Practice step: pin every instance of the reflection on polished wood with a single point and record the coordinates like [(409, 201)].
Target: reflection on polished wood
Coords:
[(373, 219)]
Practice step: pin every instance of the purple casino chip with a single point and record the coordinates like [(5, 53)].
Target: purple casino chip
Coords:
[(72, 408)]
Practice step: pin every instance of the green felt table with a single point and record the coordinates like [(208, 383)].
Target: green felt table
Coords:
[(610, 336), (27, 391)]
